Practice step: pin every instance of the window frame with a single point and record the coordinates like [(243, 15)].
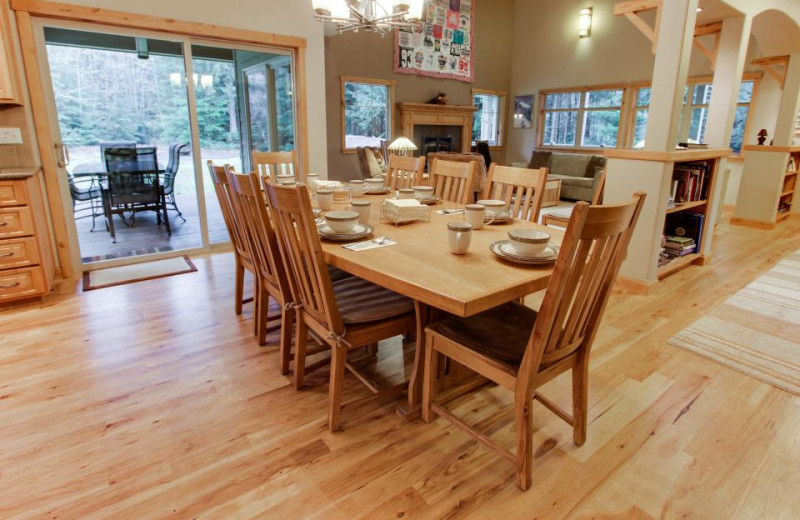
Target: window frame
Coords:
[(502, 115), (686, 109), (581, 110), (390, 86)]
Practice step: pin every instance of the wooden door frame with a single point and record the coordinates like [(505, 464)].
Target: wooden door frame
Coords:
[(67, 249)]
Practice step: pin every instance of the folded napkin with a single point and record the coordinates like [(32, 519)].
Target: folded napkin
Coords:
[(403, 203), (369, 244)]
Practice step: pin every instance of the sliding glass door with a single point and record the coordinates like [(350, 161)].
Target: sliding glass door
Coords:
[(185, 102)]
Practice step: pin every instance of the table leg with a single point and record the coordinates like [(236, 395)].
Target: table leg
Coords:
[(410, 410)]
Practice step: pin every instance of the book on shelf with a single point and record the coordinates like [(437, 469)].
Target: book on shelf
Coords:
[(792, 166), (685, 228), (693, 146), (675, 254), (672, 247), (690, 182)]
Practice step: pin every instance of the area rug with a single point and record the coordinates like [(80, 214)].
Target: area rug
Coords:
[(757, 330), (112, 276)]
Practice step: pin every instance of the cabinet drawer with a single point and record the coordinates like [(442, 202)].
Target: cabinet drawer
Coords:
[(21, 283), (16, 222), (13, 193), (18, 252)]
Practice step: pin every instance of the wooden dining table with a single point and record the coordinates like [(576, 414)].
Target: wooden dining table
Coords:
[(421, 267)]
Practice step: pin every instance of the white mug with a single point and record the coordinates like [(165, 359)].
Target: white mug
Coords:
[(324, 199), (476, 215), (498, 207), (459, 236), (311, 181), (362, 207), (356, 188), (405, 193)]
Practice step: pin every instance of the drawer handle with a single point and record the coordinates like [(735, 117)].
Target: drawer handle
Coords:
[(7, 255), (15, 284), (3, 224)]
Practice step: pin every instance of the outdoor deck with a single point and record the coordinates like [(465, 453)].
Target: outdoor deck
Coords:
[(146, 237)]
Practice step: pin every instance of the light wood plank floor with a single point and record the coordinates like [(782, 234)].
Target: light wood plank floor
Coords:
[(152, 400)]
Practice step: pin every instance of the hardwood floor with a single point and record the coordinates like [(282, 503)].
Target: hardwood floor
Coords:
[(152, 400)]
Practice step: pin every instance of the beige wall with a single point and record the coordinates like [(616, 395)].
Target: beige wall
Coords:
[(547, 53), (371, 56), (292, 18)]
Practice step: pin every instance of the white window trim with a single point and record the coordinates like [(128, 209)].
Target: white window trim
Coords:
[(582, 111), (501, 115)]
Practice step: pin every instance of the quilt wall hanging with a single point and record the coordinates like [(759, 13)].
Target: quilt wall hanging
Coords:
[(442, 46)]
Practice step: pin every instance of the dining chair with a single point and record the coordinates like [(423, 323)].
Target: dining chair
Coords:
[(241, 252), (132, 185), (520, 188), (86, 196), (170, 173), (269, 164), (404, 172), (452, 181), (271, 282), (560, 217), (347, 314), (521, 349)]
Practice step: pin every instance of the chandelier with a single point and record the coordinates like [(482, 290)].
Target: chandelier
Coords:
[(376, 16)]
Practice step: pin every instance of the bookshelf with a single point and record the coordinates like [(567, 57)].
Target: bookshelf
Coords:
[(766, 193), (695, 198)]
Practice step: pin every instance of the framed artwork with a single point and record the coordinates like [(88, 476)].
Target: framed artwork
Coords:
[(442, 45), (523, 111)]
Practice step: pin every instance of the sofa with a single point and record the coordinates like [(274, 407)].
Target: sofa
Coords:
[(579, 173)]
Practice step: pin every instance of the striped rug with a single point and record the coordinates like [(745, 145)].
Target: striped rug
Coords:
[(757, 330)]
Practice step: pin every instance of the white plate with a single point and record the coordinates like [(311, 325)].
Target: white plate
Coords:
[(360, 231), (430, 200), (547, 254), (497, 249), (503, 218)]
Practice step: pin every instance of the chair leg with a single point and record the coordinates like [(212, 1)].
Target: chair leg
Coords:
[(287, 324), (429, 378), (300, 345), (338, 361), (261, 318), (175, 205), (239, 287), (580, 398), (524, 426)]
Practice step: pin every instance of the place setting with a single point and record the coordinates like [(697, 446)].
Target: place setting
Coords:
[(343, 226), (526, 247)]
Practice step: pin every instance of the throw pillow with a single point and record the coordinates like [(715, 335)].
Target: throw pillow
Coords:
[(372, 162), (540, 159), (381, 161), (595, 166)]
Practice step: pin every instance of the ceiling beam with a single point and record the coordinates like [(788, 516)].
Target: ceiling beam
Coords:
[(775, 66), (635, 6)]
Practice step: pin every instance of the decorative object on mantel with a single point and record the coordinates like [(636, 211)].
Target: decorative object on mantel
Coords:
[(440, 99), (762, 136), (377, 16), (442, 46), (401, 146), (523, 110)]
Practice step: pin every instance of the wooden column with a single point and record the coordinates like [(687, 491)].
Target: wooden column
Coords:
[(731, 57), (675, 32), (790, 103)]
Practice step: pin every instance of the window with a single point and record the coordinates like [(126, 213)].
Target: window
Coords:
[(366, 112), (694, 116), (583, 118), (489, 118)]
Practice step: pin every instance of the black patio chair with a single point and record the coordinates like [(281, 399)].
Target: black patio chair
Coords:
[(132, 185), (86, 196), (171, 171)]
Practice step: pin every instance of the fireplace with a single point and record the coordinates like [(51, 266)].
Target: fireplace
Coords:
[(436, 144)]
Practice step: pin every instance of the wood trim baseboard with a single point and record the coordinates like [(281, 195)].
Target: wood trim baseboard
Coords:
[(634, 286), (753, 224), (97, 15)]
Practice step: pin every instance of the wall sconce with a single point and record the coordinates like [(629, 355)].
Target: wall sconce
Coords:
[(585, 23)]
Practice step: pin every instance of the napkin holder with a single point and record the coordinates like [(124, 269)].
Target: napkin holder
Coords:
[(398, 211)]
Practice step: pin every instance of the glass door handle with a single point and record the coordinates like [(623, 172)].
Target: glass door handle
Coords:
[(62, 155)]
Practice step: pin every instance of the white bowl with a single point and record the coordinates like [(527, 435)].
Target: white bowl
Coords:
[(528, 242), (496, 206), (285, 179), (341, 221), (423, 192), (375, 183)]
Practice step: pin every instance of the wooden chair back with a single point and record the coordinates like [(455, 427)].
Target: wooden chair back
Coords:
[(251, 210), (269, 164), (404, 172), (601, 185), (223, 190), (452, 181), (520, 188), (591, 254), (302, 255)]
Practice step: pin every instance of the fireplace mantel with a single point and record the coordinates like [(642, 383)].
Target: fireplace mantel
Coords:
[(412, 114)]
